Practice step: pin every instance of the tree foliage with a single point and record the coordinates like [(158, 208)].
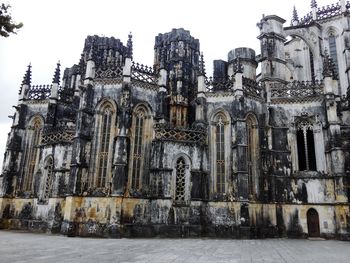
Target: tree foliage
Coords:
[(7, 25)]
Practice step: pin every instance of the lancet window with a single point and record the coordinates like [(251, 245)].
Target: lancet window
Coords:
[(220, 153), (140, 146), (49, 178), (180, 191), (306, 146), (252, 154), (105, 126), (32, 152)]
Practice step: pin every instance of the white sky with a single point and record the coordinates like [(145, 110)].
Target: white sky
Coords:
[(55, 30)]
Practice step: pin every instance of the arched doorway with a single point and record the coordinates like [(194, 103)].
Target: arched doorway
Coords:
[(313, 224)]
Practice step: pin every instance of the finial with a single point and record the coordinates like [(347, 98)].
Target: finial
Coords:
[(328, 66), (237, 66), (295, 17), (313, 4), (56, 76), (202, 65), (129, 46), (27, 76)]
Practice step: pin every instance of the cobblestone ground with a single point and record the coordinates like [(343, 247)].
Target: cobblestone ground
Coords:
[(18, 247)]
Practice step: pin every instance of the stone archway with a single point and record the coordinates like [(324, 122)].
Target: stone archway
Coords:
[(313, 223)]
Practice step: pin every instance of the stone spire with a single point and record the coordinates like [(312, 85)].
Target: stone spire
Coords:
[(202, 65), (56, 76), (129, 46), (314, 9), (328, 66), (27, 79), (313, 4), (295, 18)]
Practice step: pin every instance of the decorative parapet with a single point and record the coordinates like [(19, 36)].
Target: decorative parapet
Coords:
[(225, 84), (324, 12), (39, 92), (112, 73), (144, 76), (53, 135), (306, 20), (328, 11), (297, 91), (187, 135), (251, 89), (43, 92)]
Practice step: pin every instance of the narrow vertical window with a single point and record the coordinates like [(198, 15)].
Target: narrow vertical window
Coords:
[(312, 67), (333, 51), (137, 148), (180, 189), (220, 154), (34, 134), (103, 155), (333, 54), (48, 181), (250, 155), (306, 147)]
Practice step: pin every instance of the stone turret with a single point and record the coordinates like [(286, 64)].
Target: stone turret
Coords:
[(247, 59), (272, 47), (178, 53), (103, 52)]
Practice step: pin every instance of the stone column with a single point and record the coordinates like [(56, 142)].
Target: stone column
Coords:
[(120, 159), (161, 96)]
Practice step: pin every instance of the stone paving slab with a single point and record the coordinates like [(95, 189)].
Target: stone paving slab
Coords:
[(17, 247)]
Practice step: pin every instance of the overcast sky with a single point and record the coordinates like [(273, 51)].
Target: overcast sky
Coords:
[(55, 30)]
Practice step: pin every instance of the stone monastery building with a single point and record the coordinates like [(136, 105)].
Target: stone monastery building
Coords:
[(119, 149)]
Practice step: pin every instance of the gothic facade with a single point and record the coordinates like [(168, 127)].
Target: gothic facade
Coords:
[(119, 149)]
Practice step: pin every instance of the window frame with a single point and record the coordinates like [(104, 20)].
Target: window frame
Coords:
[(34, 134), (107, 153)]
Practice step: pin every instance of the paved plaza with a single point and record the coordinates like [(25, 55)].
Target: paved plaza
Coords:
[(16, 247)]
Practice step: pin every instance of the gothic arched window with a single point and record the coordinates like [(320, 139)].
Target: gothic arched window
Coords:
[(220, 154), (333, 51), (252, 154), (312, 66), (104, 142), (180, 189), (137, 148), (32, 151), (49, 178), (306, 146), (219, 150), (140, 145)]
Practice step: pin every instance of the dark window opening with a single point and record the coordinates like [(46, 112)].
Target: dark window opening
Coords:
[(333, 54), (306, 150), (311, 150), (301, 151), (333, 51), (312, 67)]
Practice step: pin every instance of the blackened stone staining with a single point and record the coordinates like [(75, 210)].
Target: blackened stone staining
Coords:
[(294, 229), (26, 212), (282, 151)]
